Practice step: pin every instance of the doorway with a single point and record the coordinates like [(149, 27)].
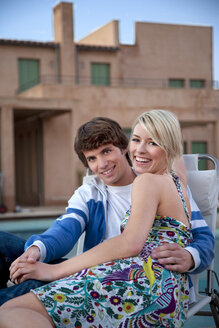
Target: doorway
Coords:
[(28, 159)]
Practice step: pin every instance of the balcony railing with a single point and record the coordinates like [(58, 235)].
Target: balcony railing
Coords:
[(114, 82)]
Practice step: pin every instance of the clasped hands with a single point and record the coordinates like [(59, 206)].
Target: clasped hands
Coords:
[(27, 266)]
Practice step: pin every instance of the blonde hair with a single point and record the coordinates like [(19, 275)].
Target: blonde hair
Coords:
[(164, 128)]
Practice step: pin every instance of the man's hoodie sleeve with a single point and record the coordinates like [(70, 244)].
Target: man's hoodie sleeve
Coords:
[(60, 238), (202, 247)]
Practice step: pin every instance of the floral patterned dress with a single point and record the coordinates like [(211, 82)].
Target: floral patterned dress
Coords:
[(130, 292)]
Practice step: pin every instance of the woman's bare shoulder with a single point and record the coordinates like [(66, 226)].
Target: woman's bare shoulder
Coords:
[(147, 179)]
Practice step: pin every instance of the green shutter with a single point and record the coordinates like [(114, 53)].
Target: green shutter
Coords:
[(28, 71), (197, 84), (100, 74), (200, 147), (176, 83), (184, 147), (128, 132)]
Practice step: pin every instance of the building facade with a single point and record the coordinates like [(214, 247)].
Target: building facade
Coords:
[(48, 89)]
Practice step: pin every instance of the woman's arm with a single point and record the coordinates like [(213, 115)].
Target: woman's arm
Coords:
[(144, 207)]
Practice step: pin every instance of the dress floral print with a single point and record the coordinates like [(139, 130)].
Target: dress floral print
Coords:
[(130, 292)]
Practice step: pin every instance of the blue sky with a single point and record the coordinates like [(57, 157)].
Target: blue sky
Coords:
[(33, 19)]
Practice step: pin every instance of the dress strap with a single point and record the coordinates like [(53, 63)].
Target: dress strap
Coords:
[(179, 188)]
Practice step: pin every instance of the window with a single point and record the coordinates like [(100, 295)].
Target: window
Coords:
[(128, 132), (197, 84), (200, 147), (28, 71), (100, 74), (176, 83), (185, 147)]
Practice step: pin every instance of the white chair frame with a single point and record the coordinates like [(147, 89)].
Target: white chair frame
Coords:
[(210, 190)]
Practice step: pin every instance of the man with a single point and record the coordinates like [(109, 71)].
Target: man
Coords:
[(97, 208)]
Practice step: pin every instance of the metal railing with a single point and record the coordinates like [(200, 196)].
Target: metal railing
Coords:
[(113, 82)]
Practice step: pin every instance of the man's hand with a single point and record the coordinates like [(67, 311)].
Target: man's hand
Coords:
[(32, 255), (173, 257), (37, 270)]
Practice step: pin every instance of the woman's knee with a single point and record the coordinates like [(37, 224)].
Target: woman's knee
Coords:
[(22, 318), (22, 306), (20, 301)]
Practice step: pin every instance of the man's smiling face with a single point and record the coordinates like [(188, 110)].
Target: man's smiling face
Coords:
[(110, 164)]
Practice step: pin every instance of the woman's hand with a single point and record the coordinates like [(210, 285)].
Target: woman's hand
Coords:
[(31, 255), (22, 271)]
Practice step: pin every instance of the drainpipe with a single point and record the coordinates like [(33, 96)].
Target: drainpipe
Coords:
[(57, 54), (76, 66)]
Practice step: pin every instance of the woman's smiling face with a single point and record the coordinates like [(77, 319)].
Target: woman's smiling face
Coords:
[(145, 154)]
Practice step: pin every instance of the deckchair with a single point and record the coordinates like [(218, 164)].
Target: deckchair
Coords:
[(204, 186)]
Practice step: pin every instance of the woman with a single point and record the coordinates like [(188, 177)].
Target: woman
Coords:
[(129, 289)]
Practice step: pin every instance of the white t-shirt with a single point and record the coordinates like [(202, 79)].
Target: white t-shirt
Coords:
[(119, 201)]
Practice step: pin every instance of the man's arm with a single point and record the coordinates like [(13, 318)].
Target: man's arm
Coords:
[(65, 231), (58, 240), (202, 247)]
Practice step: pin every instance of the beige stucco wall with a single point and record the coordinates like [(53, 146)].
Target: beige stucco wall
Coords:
[(9, 55), (7, 156), (169, 51), (195, 105), (160, 51), (58, 159), (107, 35)]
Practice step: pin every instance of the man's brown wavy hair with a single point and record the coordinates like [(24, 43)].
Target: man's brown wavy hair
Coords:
[(98, 132)]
